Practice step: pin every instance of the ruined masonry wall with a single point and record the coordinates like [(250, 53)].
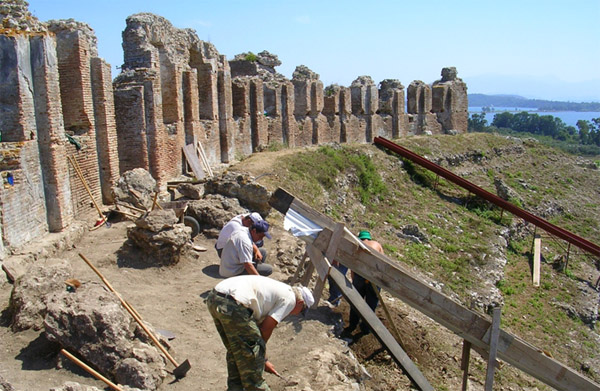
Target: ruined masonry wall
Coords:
[(57, 99), (51, 111), (22, 204)]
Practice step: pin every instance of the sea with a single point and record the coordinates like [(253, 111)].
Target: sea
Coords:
[(568, 117)]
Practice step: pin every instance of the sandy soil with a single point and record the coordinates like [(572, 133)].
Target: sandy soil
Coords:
[(169, 298)]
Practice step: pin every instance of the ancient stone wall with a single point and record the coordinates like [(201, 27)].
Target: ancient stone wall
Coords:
[(57, 99)]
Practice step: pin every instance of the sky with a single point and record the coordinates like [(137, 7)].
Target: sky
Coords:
[(544, 50)]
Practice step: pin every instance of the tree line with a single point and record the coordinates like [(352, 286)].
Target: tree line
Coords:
[(539, 104), (583, 139)]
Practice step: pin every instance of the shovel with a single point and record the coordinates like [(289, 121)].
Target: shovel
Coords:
[(180, 369)]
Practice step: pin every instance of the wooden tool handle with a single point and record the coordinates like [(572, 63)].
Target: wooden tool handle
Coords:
[(90, 370), (131, 311)]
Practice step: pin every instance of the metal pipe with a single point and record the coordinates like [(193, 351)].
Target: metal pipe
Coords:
[(537, 221)]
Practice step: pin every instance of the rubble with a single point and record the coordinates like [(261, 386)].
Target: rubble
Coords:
[(31, 292), (91, 322), (213, 212), (135, 187), (160, 237), (243, 187)]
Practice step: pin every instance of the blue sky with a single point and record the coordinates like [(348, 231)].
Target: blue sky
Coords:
[(546, 50)]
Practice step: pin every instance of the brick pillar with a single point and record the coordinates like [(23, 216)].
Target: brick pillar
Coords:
[(130, 116), (74, 64), (207, 91), (51, 133), (17, 120), (358, 100), (106, 127), (225, 106), (345, 110), (302, 90), (155, 128), (191, 112), (257, 117), (288, 123)]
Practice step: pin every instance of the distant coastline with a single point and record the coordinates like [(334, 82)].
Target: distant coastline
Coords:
[(519, 103), (569, 117)]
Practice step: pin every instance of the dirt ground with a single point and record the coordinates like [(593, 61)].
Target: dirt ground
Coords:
[(170, 298)]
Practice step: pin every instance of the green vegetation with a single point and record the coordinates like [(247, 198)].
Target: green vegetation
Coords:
[(583, 140), (365, 187), (251, 57)]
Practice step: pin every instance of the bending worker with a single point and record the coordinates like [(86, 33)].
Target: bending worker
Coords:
[(237, 256), (245, 310), (241, 221)]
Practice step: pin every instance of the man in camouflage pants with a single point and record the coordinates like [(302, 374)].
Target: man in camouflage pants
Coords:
[(245, 310)]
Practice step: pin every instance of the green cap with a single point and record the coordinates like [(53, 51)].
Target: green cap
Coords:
[(362, 235)]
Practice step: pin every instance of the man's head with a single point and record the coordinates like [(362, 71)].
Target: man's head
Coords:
[(304, 299), (259, 230), (251, 219), (364, 235)]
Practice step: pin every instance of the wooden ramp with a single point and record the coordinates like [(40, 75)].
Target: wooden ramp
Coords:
[(380, 331), (473, 327)]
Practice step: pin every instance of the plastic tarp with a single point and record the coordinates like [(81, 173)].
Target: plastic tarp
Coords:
[(299, 225)]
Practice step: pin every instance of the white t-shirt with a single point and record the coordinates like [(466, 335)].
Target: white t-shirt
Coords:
[(263, 295), (237, 252), (227, 230)]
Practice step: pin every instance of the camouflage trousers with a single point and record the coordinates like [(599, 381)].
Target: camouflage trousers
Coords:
[(245, 346)]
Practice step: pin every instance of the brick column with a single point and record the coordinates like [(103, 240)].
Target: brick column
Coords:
[(51, 133), (257, 117), (131, 127), (106, 127), (17, 120)]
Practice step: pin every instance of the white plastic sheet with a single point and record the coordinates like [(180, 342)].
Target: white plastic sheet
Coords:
[(299, 225)]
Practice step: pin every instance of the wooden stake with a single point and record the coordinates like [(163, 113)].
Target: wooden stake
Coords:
[(464, 363), (536, 260), (388, 315), (489, 379)]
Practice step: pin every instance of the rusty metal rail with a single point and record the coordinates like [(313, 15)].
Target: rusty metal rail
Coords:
[(570, 237)]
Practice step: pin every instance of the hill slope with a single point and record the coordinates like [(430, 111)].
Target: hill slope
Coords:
[(468, 249)]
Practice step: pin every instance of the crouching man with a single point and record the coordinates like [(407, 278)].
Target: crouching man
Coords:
[(245, 310)]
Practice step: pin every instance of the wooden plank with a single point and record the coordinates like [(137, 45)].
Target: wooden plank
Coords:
[(489, 378), (300, 268), (464, 364), (318, 292), (322, 265), (310, 268), (335, 241), (190, 156), (205, 160), (383, 335), (467, 324), (537, 254)]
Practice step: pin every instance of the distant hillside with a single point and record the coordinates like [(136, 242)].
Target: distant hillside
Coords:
[(518, 102)]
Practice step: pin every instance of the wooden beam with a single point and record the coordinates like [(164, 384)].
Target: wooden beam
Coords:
[(192, 159), (319, 262), (382, 334), (537, 254), (464, 364), (300, 269), (402, 283), (495, 332)]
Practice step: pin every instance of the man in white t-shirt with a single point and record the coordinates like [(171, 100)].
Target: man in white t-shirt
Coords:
[(246, 310), (237, 256), (240, 222)]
